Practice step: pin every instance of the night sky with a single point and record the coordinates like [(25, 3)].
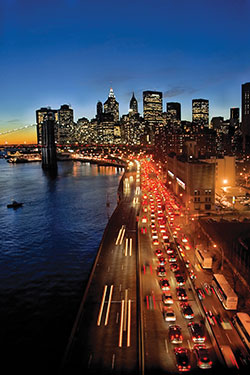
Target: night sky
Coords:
[(56, 52)]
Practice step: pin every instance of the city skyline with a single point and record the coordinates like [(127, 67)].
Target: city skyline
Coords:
[(185, 50)]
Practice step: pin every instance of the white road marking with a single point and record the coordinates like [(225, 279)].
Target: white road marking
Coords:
[(113, 361), (89, 361), (121, 324), (101, 307), (229, 338), (117, 318), (109, 303), (166, 345)]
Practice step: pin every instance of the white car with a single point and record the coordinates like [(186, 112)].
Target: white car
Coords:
[(169, 315), (167, 299)]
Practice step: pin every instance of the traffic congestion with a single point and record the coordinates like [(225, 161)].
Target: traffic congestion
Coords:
[(173, 292)]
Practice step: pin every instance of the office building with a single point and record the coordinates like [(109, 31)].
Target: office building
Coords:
[(174, 111), (234, 115), (152, 107), (200, 114), (245, 112), (65, 125), (99, 111), (193, 181), (133, 106), (111, 107)]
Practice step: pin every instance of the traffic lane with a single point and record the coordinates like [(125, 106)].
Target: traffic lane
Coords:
[(158, 330), (102, 276)]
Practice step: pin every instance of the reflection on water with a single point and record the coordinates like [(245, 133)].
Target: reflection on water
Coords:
[(47, 249)]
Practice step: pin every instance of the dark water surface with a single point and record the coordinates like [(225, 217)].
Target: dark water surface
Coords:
[(47, 248)]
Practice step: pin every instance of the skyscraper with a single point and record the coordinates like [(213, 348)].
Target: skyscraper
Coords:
[(200, 113), (245, 112), (133, 105), (111, 106), (65, 124), (174, 111), (99, 111), (152, 106)]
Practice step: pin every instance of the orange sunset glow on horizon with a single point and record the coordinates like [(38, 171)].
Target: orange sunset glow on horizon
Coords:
[(25, 136)]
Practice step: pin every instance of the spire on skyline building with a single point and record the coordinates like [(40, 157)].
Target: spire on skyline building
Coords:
[(111, 93)]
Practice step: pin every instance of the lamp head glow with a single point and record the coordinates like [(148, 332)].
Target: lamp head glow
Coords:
[(225, 181)]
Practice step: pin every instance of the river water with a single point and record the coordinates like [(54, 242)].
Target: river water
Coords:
[(47, 248)]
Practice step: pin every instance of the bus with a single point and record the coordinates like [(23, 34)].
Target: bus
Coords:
[(229, 357), (206, 261), (241, 322), (224, 292)]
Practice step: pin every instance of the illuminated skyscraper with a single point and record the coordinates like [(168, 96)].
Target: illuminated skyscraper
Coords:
[(152, 106), (174, 111), (99, 111), (245, 111), (111, 106), (65, 125), (200, 113), (133, 105)]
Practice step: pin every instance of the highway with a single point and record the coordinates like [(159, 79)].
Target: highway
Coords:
[(120, 327), (104, 337)]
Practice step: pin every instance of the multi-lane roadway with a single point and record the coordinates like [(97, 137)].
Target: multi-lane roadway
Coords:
[(121, 326)]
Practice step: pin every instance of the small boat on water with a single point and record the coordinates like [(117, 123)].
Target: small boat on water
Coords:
[(14, 204)]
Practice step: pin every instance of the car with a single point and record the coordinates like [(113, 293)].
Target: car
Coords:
[(207, 289), (200, 293), (167, 299), (162, 261), (153, 226), (182, 359), (158, 253), (161, 271), (169, 251), (174, 332), (197, 332), (168, 314), (202, 355), (172, 258), (144, 219), (155, 242), (192, 275), (187, 264), (174, 267), (180, 280), (164, 284), (181, 294), (166, 243), (187, 310), (143, 230)]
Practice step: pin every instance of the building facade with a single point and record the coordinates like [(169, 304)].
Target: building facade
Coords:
[(111, 107), (65, 132), (193, 181), (152, 107), (200, 113), (245, 112)]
